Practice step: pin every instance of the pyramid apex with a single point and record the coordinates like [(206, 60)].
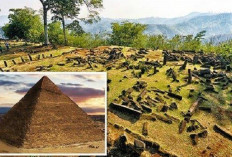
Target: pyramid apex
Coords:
[(46, 84), (45, 78)]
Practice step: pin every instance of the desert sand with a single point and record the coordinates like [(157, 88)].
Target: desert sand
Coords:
[(90, 147)]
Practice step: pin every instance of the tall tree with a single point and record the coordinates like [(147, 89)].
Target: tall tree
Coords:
[(24, 24), (46, 7), (71, 9), (64, 9)]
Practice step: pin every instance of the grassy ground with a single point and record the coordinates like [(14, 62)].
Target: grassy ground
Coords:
[(165, 134)]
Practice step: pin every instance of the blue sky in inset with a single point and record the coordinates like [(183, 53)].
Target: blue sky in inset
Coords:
[(139, 8), (87, 90)]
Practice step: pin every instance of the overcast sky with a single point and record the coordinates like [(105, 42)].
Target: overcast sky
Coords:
[(87, 90), (140, 8)]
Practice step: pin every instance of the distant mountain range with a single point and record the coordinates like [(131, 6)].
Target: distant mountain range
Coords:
[(1, 34), (218, 26), (4, 110)]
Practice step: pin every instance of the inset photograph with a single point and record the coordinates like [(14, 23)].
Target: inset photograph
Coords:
[(53, 113)]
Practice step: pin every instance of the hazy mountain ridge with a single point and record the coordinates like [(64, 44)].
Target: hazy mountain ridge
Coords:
[(1, 34), (216, 25)]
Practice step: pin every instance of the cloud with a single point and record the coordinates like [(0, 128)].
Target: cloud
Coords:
[(13, 84), (90, 80), (83, 93), (80, 76), (22, 91), (79, 94), (94, 110), (8, 83), (10, 76), (6, 105), (84, 77), (72, 84)]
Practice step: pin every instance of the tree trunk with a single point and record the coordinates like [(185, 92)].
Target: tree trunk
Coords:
[(65, 37), (45, 17)]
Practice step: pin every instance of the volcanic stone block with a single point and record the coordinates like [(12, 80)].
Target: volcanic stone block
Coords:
[(189, 76), (146, 108), (23, 61), (228, 68), (61, 64), (5, 63), (187, 116), (135, 105), (122, 142), (203, 134), (139, 145), (145, 129), (223, 131), (182, 126), (109, 81), (203, 72), (125, 109), (192, 128), (183, 67), (14, 62), (173, 106), (141, 95), (194, 139), (174, 76), (159, 91), (175, 96), (129, 91), (38, 57), (195, 59), (90, 65), (155, 70), (162, 118), (165, 59), (30, 58), (164, 108)]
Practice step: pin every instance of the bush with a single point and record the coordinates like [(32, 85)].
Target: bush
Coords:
[(128, 34), (86, 40)]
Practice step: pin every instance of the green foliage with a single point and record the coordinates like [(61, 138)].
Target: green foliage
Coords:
[(86, 40), (157, 42), (75, 28), (54, 32), (224, 48), (200, 36), (24, 24), (128, 34), (178, 42), (65, 9)]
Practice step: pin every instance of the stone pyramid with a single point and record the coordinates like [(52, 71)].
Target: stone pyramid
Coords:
[(45, 117)]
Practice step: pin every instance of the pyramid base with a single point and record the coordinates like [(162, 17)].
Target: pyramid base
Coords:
[(88, 147)]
